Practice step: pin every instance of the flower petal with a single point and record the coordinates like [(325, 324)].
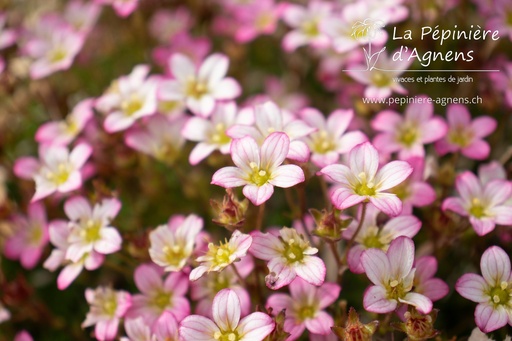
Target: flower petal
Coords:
[(392, 174), (321, 324), (387, 203), (286, 176), (226, 309), (422, 303), (229, 177), (495, 265), (472, 287), (312, 270), (364, 158), (198, 328), (401, 257), (258, 194), (377, 267), (343, 198), (489, 318), (274, 150), (375, 300), (255, 327)]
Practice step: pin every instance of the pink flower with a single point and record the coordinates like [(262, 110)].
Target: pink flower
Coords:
[(483, 204), (226, 324), (166, 24), (492, 292), (502, 82), (465, 135), (55, 51), (500, 20), (82, 15), (123, 8), (306, 25), (424, 281), (128, 99), (203, 290), (331, 139), (380, 84), (256, 19), (137, 330), (288, 255), (160, 137), (7, 36), (372, 236), (173, 244), (90, 228), (200, 88), (30, 237), (259, 169), (164, 329), (362, 182), (304, 309), (4, 314), (59, 234), (211, 133), (268, 118), (57, 171), (107, 307), (219, 257), (415, 191), (23, 336), (407, 135), (392, 275), (159, 296), (64, 132)]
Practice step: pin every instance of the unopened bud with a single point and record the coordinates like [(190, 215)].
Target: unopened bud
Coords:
[(354, 330)]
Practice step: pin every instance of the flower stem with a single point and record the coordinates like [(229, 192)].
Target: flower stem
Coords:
[(259, 218), (351, 241)]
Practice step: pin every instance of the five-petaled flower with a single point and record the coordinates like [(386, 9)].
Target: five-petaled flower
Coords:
[(392, 274), (220, 256), (304, 309), (226, 324), (484, 205), (492, 292), (361, 182), (259, 169), (289, 256)]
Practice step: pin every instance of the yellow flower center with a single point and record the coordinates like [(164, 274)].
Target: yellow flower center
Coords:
[(174, 254), (307, 312), (294, 252), (110, 306), (167, 106), (131, 105), (460, 136), (196, 89), (259, 177), (322, 143), (162, 300), (61, 175), (380, 79), (219, 136), (90, 231), (407, 135), (56, 55), (310, 28), (395, 289), (229, 335), (477, 209), (364, 187), (373, 240), (501, 294)]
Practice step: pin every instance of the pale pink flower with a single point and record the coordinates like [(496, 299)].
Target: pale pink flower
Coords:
[(500, 20), (160, 137), (203, 290), (23, 336), (159, 295), (304, 309), (195, 48), (380, 84), (268, 118), (289, 255), (392, 274), (407, 134), (466, 135), (372, 236), (492, 292), (201, 87), (123, 8), (305, 23), (331, 138), (415, 191), (340, 28), (361, 182), (220, 256), (424, 281), (58, 169), (82, 15), (59, 232), (172, 244), (4, 314), (53, 52), (29, 238), (226, 324), (107, 307), (7, 36), (259, 169), (211, 132), (256, 19), (128, 99), (164, 329), (483, 204), (65, 131), (166, 24), (90, 228), (502, 82)]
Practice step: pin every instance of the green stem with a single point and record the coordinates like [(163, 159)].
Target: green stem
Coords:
[(351, 241), (259, 218)]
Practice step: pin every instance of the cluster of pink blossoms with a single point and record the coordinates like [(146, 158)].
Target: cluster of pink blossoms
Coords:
[(261, 282)]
